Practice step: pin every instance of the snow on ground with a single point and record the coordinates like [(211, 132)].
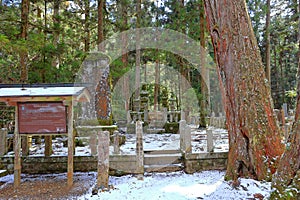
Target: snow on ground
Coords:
[(164, 186), (209, 185)]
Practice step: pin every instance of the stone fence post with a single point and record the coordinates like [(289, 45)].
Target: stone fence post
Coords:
[(185, 137), (182, 115), (3, 141), (103, 159), (93, 143), (128, 116), (210, 140), (139, 150), (116, 143)]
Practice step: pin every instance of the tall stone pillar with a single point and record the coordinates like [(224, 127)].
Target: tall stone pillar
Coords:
[(3, 143), (139, 150), (185, 137), (210, 141), (103, 159), (116, 142)]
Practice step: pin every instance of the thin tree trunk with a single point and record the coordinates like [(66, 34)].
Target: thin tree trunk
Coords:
[(43, 71), (24, 58), (56, 23), (100, 24), (24, 29), (204, 104), (156, 86), (184, 68), (138, 51), (124, 27), (87, 39), (157, 73), (254, 137), (282, 77), (268, 19)]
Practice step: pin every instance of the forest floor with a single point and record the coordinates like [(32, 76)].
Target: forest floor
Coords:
[(209, 185), (51, 186)]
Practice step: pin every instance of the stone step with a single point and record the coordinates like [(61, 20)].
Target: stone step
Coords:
[(162, 159), (163, 168), (3, 173), (165, 151)]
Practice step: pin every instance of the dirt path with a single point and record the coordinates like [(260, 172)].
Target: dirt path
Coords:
[(48, 187)]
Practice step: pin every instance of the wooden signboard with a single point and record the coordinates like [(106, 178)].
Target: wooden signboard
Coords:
[(42, 118)]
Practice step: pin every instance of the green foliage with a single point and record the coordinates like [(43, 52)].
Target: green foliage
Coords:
[(59, 61), (79, 142), (291, 93), (172, 127), (291, 96)]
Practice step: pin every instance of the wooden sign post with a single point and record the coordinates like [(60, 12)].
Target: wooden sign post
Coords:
[(70, 145), (43, 111), (17, 151)]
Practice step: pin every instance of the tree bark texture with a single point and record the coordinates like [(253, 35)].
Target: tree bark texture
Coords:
[(254, 137)]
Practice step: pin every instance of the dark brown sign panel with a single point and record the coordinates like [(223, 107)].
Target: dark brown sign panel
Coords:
[(45, 117)]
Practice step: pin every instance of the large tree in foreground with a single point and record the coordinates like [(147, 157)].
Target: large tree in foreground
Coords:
[(254, 136)]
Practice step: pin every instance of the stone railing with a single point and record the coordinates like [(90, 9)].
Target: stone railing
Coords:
[(164, 116)]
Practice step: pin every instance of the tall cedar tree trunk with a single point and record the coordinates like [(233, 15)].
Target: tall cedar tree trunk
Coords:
[(100, 23), (184, 68), (138, 51), (46, 29), (288, 172), (24, 58), (156, 85), (24, 29), (87, 39), (56, 32), (204, 103), (103, 95), (124, 27), (157, 73), (268, 51), (254, 137)]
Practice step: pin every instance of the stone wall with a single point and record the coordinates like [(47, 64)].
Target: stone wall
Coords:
[(195, 162), (119, 164)]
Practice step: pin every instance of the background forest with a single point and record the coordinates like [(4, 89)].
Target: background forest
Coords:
[(46, 41)]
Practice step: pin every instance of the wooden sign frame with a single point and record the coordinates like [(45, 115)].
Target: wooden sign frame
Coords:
[(64, 95)]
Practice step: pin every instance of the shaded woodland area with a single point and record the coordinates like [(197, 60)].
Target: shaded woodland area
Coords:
[(257, 61)]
